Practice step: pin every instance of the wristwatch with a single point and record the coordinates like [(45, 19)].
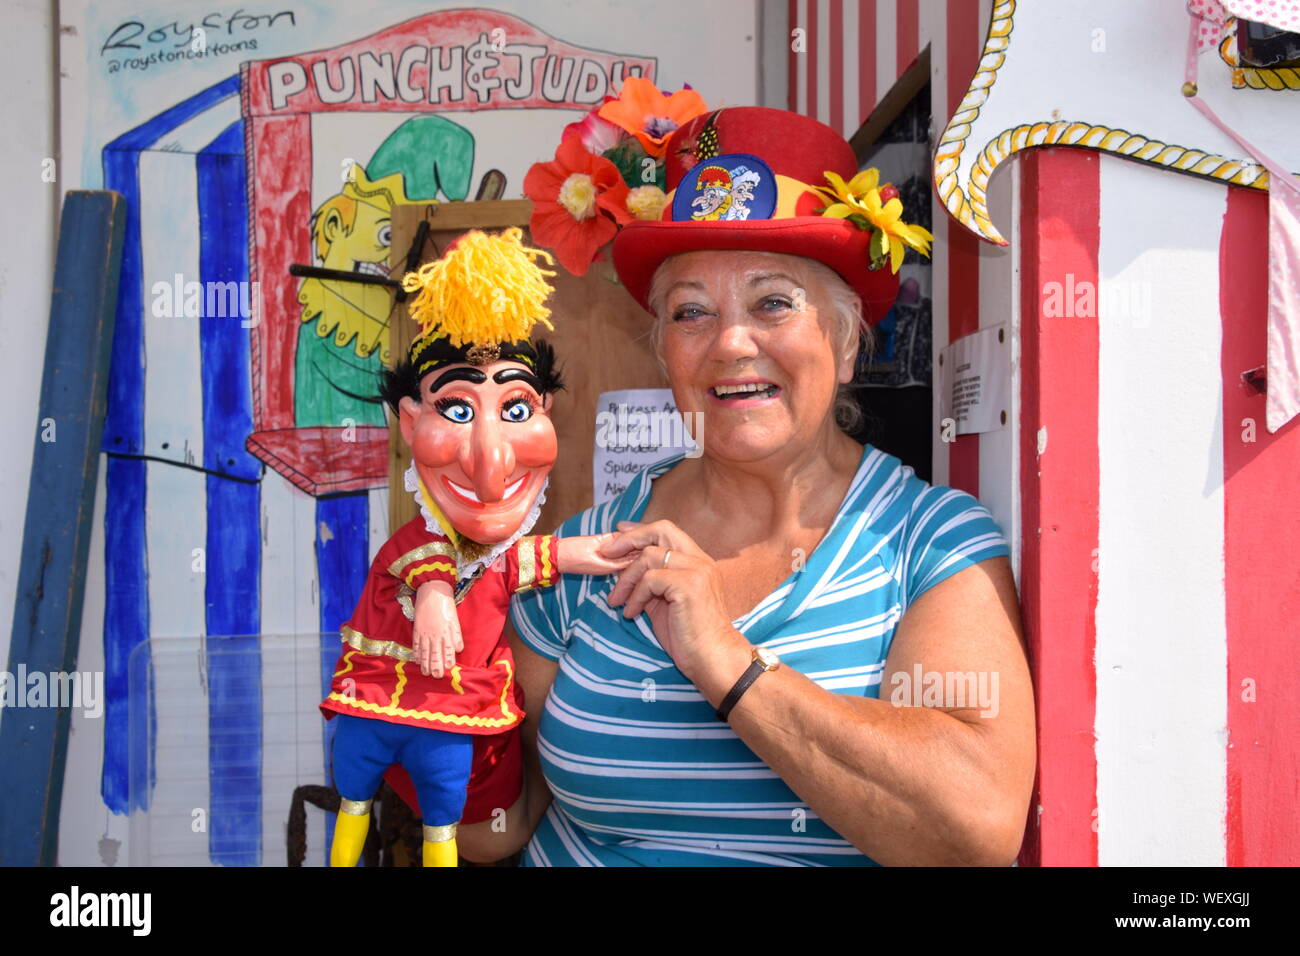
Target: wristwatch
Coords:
[(762, 661)]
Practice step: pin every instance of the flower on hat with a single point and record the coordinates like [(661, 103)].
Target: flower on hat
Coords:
[(646, 202), (598, 135), (649, 115), (868, 205), (578, 203), (608, 171)]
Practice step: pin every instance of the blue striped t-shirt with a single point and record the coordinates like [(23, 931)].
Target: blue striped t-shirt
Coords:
[(643, 772)]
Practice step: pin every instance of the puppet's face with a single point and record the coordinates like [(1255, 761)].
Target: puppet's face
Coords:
[(483, 445)]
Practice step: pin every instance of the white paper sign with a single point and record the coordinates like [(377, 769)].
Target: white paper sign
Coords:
[(974, 378), (635, 428)]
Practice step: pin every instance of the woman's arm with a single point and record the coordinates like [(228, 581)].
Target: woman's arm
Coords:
[(478, 841), (904, 784)]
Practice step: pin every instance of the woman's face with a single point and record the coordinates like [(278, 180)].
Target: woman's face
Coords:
[(748, 341)]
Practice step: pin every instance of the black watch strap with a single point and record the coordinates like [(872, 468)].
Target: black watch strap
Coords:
[(755, 668)]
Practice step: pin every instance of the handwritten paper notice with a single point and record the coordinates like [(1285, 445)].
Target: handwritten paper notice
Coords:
[(974, 381), (635, 428)]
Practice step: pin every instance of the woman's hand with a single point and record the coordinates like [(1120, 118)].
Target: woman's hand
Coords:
[(436, 639), (678, 586)]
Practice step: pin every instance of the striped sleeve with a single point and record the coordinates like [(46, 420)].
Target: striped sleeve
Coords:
[(949, 530)]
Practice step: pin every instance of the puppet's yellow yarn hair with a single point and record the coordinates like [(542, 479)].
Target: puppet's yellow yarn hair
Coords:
[(488, 289)]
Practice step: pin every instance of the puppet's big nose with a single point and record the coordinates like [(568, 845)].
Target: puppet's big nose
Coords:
[(492, 460)]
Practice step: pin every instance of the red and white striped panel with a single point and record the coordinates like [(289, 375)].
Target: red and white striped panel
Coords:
[(1168, 691)]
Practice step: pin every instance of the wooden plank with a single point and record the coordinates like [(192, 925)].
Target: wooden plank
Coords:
[(60, 507), (601, 339), (482, 214)]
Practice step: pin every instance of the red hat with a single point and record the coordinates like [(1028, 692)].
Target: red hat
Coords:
[(742, 178)]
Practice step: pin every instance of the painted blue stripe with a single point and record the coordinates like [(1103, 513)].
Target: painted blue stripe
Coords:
[(124, 424), (124, 420), (127, 729), (342, 562), (234, 671), (225, 342), (234, 556), (149, 132), (124, 784)]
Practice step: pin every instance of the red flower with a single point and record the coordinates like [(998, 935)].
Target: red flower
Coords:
[(579, 204)]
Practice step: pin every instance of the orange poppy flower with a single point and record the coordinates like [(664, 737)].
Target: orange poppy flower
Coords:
[(579, 203), (649, 115)]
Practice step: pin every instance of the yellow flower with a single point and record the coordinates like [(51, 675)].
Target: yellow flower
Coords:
[(646, 202), (578, 196), (860, 200)]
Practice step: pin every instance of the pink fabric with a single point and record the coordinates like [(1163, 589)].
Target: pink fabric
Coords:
[(1283, 255), (1283, 14), (1210, 29), (1283, 307)]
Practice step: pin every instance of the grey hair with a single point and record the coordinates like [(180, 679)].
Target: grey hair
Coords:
[(849, 330)]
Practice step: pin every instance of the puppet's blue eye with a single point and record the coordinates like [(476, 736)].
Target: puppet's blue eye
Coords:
[(518, 410), (455, 411)]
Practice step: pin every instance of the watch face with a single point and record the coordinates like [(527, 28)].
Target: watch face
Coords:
[(767, 658)]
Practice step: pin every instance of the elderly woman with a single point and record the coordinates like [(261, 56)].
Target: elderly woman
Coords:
[(770, 681)]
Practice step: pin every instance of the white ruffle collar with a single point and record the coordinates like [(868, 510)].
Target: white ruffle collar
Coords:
[(467, 569)]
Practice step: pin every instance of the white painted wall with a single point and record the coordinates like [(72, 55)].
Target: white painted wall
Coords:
[(1161, 647), (26, 265)]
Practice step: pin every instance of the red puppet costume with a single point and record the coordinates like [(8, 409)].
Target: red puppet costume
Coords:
[(425, 669)]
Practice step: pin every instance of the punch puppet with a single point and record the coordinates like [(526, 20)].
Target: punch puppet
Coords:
[(424, 665)]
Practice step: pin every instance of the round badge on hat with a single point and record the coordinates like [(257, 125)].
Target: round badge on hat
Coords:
[(731, 188)]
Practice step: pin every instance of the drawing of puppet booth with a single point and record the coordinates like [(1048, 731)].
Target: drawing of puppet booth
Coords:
[(342, 343)]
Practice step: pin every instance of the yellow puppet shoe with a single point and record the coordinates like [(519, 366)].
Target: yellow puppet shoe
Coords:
[(350, 831), (440, 846)]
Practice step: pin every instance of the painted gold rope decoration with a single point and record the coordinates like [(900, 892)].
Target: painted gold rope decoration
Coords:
[(1253, 77), (1104, 138), (972, 212), (487, 289)]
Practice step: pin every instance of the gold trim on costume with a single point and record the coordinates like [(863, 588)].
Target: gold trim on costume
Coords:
[(355, 808), (527, 564), (544, 546), (505, 689), (439, 834), (404, 594), (433, 549), (509, 719), (400, 668), (455, 679), (366, 645), (483, 354), (347, 658), (434, 566)]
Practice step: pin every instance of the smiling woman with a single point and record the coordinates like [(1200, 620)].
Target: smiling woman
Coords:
[(720, 702)]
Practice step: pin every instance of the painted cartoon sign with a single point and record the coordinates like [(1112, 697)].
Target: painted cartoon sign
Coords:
[(245, 488), (320, 345)]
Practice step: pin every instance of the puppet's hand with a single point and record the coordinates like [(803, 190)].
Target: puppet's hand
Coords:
[(437, 637), (581, 555)]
